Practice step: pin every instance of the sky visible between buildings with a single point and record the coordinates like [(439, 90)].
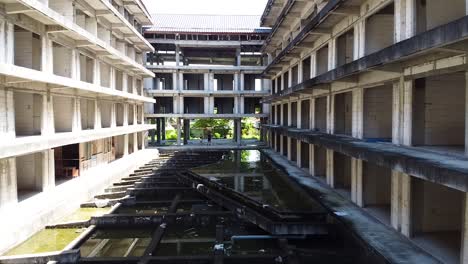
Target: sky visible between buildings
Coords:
[(206, 7)]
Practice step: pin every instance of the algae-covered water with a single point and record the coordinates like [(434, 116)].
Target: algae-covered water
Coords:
[(46, 240)]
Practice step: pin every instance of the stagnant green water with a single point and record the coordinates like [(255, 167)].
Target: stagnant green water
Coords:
[(250, 173), (48, 240)]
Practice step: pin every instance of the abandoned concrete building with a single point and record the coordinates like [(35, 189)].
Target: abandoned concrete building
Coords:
[(364, 138), (71, 105), (206, 66), (370, 97)]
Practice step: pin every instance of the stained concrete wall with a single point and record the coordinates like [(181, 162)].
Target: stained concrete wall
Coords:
[(63, 113), (439, 118), (88, 113), (343, 113), (86, 69), (321, 114), (380, 30), (28, 52), (105, 71), (322, 60), (106, 113), (320, 161), (376, 182), (28, 114), (345, 48), (62, 60), (342, 171), (377, 114), (431, 212), (431, 14), (29, 172)]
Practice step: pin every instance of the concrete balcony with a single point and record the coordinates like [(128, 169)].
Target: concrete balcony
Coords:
[(206, 68), (15, 74), (24, 145), (227, 93), (60, 24)]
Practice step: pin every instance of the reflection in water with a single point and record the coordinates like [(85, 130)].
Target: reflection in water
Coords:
[(250, 173)]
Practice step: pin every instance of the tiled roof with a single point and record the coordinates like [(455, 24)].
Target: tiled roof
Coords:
[(207, 23)]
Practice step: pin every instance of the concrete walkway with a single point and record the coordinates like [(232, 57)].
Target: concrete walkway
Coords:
[(217, 144), (391, 245)]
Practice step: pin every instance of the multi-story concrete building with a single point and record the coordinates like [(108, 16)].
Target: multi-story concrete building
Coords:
[(206, 66), (71, 102), (370, 97)]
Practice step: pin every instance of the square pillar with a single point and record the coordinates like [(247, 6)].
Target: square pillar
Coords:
[(358, 112), (289, 114), (179, 133), (48, 170), (298, 153), (356, 182), (406, 226), (125, 145), (330, 114), (135, 142), (76, 123), (97, 115), (311, 160), (7, 115), (330, 171), (312, 114), (8, 183), (289, 148), (174, 81), (299, 114), (397, 111), (407, 120), (239, 131)]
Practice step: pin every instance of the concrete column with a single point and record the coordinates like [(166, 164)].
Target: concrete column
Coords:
[(7, 115), (466, 113), (241, 82), (239, 131), (356, 182), (300, 75), (97, 114), (311, 160), (97, 76), (206, 105), (397, 111), (313, 64), (10, 43), (179, 133), (312, 114), (298, 153), (281, 114), (329, 170), (158, 131), (407, 121), (289, 114), (206, 81), (47, 64), (236, 82), (406, 227), (47, 116), (144, 139), (281, 146), (125, 145), (464, 245), (361, 40), (395, 200), (181, 82), (125, 114), (76, 123), (48, 170), (330, 114), (289, 78), (174, 81), (75, 65), (186, 131), (238, 56), (358, 112), (135, 142), (241, 105), (299, 114), (8, 183), (356, 41), (289, 148), (163, 128), (177, 55), (332, 54), (3, 42)]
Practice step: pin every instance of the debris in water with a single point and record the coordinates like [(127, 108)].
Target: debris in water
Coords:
[(341, 213), (101, 203)]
